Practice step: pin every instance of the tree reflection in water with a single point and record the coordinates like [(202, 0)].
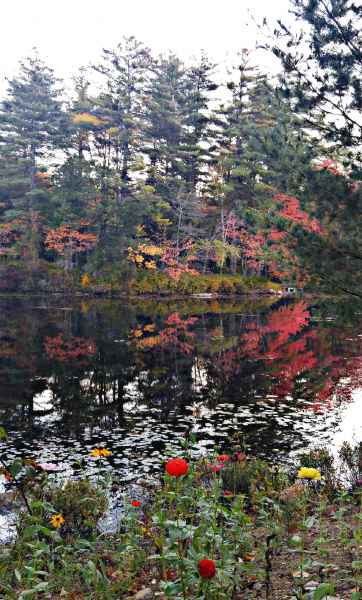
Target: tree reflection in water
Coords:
[(140, 377)]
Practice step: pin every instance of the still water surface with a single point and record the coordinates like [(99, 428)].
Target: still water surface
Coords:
[(139, 377)]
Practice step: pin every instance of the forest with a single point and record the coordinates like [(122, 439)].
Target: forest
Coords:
[(152, 175)]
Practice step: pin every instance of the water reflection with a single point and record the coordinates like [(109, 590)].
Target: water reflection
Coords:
[(140, 377)]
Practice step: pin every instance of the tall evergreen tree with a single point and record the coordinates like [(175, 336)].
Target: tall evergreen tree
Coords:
[(31, 121), (164, 125), (322, 68), (126, 71), (197, 130)]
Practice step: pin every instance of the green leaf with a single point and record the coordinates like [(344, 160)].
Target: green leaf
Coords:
[(40, 587), (49, 532), (355, 596), (3, 434), (15, 467), (309, 523), (325, 589), (17, 575), (30, 531)]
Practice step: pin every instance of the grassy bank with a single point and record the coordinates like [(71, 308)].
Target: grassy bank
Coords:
[(48, 277), (226, 527)]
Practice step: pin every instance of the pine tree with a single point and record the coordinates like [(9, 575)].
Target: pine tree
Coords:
[(164, 125), (126, 71), (197, 124), (31, 120), (322, 68)]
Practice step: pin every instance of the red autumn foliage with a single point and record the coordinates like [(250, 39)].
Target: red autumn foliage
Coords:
[(65, 239), (10, 233), (66, 350), (290, 210), (329, 165), (176, 259), (177, 334)]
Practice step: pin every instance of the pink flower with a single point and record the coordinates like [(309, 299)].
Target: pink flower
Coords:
[(215, 468)]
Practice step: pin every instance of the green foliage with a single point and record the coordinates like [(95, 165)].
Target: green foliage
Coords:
[(152, 158), (161, 283), (80, 502), (244, 530)]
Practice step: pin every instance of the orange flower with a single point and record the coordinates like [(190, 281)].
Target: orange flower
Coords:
[(57, 521), (99, 452)]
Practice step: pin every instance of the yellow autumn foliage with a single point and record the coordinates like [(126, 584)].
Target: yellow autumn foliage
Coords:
[(151, 250), (149, 342), (84, 308), (161, 221), (112, 131), (85, 280), (87, 119), (140, 230), (150, 264), (137, 333)]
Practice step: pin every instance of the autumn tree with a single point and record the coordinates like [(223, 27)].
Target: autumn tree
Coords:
[(321, 79)]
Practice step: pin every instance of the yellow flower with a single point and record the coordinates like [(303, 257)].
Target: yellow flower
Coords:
[(150, 264), (309, 473), (97, 452), (57, 521), (104, 452), (85, 281)]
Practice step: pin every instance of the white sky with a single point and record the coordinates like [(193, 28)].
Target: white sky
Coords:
[(72, 33)]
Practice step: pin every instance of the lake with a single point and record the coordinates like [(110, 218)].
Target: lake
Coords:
[(278, 375)]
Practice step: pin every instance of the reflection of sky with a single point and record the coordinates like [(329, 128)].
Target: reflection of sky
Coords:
[(350, 424)]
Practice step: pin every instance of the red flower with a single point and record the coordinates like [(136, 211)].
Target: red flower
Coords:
[(228, 494), (207, 568), (176, 467), (223, 458), (217, 468), (136, 503)]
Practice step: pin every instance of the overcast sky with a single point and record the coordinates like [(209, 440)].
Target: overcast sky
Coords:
[(72, 33)]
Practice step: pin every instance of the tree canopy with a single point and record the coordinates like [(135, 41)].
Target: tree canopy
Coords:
[(157, 168)]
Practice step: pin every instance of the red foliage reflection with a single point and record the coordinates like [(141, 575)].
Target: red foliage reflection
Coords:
[(74, 348)]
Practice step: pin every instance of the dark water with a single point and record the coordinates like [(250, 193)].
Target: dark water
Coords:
[(139, 377)]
